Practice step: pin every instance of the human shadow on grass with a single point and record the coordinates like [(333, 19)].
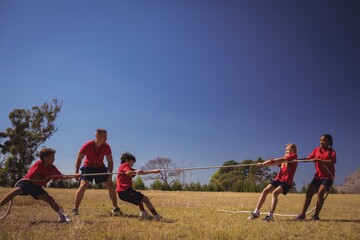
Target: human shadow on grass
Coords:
[(41, 222), (138, 217)]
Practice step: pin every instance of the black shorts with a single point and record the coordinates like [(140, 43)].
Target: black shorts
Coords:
[(131, 196), (317, 182), (283, 185), (98, 179), (30, 189)]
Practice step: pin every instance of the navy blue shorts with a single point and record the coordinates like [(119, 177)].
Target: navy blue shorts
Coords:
[(30, 189), (98, 179), (283, 185), (317, 182), (131, 196)]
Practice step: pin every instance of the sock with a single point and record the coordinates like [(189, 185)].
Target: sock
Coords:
[(153, 211), (256, 211), (270, 214)]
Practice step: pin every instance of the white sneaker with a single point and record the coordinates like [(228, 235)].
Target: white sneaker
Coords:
[(144, 215), (64, 219), (158, 218)]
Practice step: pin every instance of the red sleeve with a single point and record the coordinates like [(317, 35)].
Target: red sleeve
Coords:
[(84, 148), (55, 171), (312, 154), (108, 150), (124, 168), (33, 171), (333, 156)]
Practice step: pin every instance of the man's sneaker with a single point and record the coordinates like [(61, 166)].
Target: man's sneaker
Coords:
[(158, 218), (254, 215), (63, 219), (116, 211), (75, 211), (144, 215), (268, 218), (300, 217)]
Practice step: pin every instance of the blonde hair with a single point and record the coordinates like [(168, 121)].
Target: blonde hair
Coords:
[(292, 146)]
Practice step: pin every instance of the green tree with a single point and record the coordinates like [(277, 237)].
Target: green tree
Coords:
[(242, 178), (156, 185), (177, 186), (19, 143), (139, 184)]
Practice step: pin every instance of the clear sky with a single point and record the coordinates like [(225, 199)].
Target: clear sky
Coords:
[(200, 82)]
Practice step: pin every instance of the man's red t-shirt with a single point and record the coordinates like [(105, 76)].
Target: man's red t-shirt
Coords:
[(95, 155), (39, 171), (324, 170), (287, 170)]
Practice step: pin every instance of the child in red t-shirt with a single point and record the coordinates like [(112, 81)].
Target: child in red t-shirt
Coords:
[(39, 174), (125, 190), (282, 182), (324, 157)]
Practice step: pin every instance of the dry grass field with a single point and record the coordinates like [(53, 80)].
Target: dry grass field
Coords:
[(189, 215)]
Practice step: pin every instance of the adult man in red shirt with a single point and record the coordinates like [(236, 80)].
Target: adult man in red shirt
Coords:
[(95, 151)]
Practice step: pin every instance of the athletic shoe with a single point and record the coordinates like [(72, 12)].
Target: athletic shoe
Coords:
[(75, 211), (268, 218), (158, 218), (63, 219), (300, 217), (254, 215), (116, 211), (144, 215)]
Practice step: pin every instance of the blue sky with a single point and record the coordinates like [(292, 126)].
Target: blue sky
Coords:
[(200, 82)]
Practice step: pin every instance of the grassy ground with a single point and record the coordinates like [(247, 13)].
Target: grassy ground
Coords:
[(189, 215)]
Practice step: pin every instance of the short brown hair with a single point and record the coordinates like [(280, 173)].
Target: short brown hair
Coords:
[(100, 131), (44, 152), (127, 156)]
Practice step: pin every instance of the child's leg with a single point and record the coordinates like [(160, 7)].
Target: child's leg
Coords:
[(13, 193), (263, 195), (149, 205), (47, 198), (274, 199), (320, 201), (309, 194), (141, 206)]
